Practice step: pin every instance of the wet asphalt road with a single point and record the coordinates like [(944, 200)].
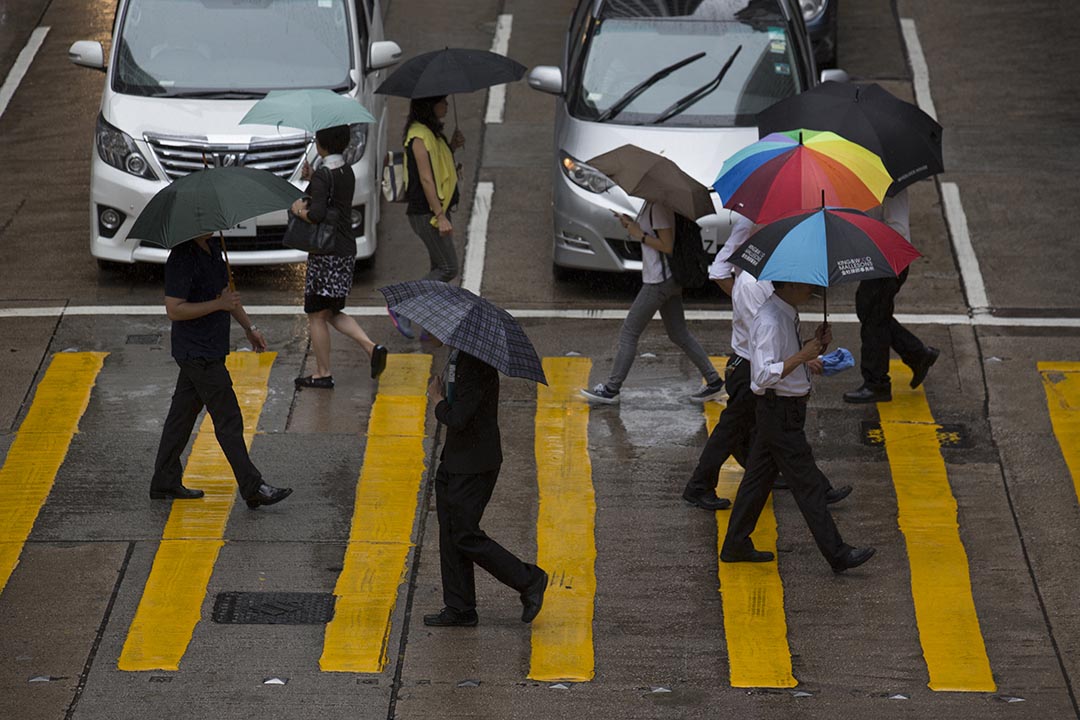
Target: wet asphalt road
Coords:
[(1005, 94)]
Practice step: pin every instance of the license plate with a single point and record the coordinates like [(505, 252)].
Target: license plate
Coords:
[(710, 239), (244, 229)]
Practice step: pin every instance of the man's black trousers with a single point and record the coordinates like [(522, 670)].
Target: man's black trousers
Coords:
[(204, 382), (733, 431), (460, 500), (780, 446), (875, 301)]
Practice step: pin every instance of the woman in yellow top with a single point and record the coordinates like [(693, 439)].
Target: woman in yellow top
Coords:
[(431, 191)]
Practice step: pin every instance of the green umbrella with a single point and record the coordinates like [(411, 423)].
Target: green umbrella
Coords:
[(310, 110), (209, 201)]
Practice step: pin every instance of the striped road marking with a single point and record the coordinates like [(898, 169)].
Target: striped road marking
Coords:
[(172, 600), (754, 621), (39, 449), (940, 582), (1061, 380), (562, 635), (381, 535)]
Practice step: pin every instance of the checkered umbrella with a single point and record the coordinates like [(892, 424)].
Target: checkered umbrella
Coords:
[(469, 323)]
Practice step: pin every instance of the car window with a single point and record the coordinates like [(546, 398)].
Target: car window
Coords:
[(574, 39), (232, 46), (362, 26), (625, 51)]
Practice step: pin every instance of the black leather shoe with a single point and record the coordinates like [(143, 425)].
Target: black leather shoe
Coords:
[(176, 493), (869, 394), (268, 495), (919, 370), (750, 555), (836, 494), (705, 501), (448, 617), (853, 558), (533, 597), (378, 361)]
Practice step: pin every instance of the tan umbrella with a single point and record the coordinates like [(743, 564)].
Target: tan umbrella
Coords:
[(655, 178)]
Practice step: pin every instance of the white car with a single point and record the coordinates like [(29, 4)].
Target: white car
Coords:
[(182, 75)]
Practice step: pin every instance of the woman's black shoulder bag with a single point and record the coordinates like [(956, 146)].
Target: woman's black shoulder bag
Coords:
[(315, 239)]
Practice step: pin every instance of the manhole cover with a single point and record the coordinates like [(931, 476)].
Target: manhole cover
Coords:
[(150, 339), (273, 608)]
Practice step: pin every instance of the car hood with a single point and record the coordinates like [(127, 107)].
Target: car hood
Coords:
[(216, 121)]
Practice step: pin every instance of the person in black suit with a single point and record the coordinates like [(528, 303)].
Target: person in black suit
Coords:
[(468, 405)]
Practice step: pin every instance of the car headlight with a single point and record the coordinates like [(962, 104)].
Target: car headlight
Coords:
[(812, 9), (585, 176), (357, 143), (117, 148)]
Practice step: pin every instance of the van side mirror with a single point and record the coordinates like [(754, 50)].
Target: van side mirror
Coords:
[(834, 75), (546, 78), (383, 54), (87, 53)]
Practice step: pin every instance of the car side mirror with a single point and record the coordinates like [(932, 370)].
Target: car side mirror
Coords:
[(383, 54), (87, 53), (834, 75), (546, 78)]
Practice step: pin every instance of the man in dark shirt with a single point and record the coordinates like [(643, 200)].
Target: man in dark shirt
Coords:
[(468, 468), (199, 303)]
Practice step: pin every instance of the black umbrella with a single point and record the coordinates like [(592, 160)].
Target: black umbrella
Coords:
[(469, 323), (906, 138), (450, 71)]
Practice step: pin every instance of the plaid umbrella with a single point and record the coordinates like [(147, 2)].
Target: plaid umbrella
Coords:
[(469, 323)]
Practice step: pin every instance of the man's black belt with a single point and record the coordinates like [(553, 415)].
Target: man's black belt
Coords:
[(771, 395)]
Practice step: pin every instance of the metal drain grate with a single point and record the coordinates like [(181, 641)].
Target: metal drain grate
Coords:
[(273, 608), (148, 339)]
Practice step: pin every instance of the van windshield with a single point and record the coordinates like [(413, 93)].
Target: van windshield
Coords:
[(624, 52), (232, 48)]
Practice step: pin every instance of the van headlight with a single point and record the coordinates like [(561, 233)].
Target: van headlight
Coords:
[(357, 143), (584, 176), (117, 148), (812, 9)]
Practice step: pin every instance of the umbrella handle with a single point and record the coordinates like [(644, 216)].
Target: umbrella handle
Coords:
[(228, 267)]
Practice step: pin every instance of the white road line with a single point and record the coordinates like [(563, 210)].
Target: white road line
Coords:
[(22, 64), (965, 251), (540, 313), (476, 239), (496, 104), (919, 69)]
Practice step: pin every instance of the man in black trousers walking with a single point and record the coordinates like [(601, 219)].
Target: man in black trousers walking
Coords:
[(468, 405), (200, 304), (780, 368)]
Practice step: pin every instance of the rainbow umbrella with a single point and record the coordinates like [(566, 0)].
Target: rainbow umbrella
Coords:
[(786, 172), (826, 247)]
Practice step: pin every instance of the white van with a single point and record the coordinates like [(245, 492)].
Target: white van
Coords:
[(184, 72)]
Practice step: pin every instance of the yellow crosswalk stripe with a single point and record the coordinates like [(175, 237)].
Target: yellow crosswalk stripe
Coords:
[(562, 635), (381, 535), (949, 630), (1061, 380), (39, 448), (755, 624), (171, 604)]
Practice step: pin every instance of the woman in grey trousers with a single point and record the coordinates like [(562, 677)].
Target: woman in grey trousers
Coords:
[(655, 227)]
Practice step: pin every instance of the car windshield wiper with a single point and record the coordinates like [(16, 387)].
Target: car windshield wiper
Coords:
[(644, 85), (220, 94), (686, 101)]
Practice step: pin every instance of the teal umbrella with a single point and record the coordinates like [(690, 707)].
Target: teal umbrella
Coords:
[(310, 110), (209, 201)]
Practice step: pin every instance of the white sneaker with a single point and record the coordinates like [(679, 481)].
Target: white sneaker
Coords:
[(601, 394), (708, 392)]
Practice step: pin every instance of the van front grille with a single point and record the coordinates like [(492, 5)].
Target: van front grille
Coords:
[(181, 156)]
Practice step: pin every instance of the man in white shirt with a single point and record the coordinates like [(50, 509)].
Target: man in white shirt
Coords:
[(875, 301), (780, 368), (732, 434)]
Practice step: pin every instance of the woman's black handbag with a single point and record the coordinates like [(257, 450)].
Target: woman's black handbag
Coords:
[(320, 239)]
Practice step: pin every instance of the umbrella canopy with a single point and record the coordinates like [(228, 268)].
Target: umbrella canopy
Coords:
[(210, 200), (450, 71), (469, 323), (784, 173), (655, 178), (907, 139), (310, 110), (825, 247)]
